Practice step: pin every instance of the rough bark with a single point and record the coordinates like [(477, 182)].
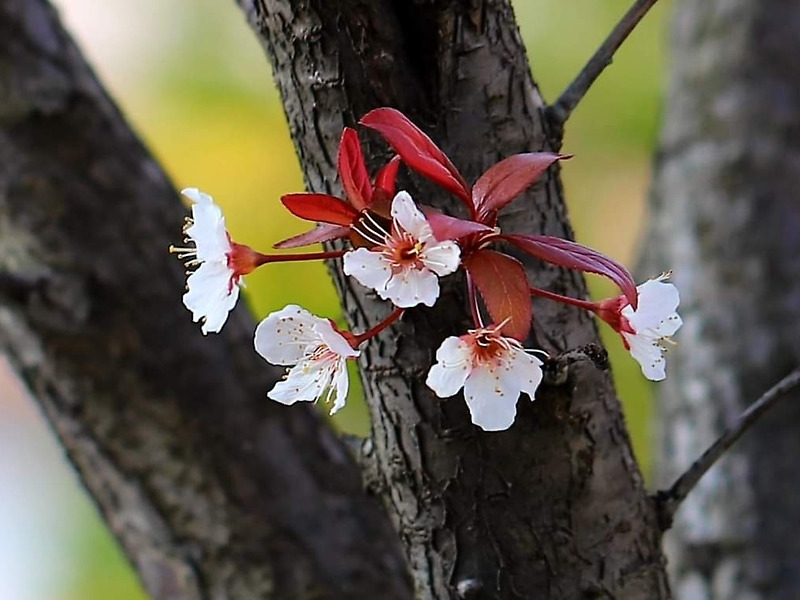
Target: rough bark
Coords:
[(726, 219), (213, 491), (553, 508)]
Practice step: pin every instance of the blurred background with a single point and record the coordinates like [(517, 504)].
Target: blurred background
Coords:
[(194, 83)]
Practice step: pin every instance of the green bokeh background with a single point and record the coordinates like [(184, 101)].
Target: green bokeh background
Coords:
[(207, 108)]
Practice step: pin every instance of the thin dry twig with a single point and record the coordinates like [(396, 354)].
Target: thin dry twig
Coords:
[(669, 500), (559, 112)]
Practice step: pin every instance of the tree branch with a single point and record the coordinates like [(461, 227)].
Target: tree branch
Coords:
[(670, 500), (558, 112)]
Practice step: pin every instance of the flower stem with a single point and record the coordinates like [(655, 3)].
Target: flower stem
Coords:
[(586, 304), (371, 333), (271, 258)]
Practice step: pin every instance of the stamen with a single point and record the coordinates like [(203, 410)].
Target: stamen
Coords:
[(370, 237)]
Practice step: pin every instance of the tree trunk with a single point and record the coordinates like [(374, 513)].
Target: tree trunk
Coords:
[(727, 220), (216, 492)]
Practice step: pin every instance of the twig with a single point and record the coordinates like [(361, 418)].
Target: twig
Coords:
[(669, 500), (559, 112)]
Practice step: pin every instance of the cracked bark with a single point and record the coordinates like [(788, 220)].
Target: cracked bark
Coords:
[(215, 492), (726, 219), (554, 507)]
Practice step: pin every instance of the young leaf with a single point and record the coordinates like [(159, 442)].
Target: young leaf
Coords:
[(324, 232), (446, 227), (503, 286), (506, 180), (321, 208), (353, 171), (417, 150), (576, 256), (386, 176)]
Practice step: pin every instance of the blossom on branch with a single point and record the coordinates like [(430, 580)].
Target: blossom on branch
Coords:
[(404, 264), (316, 348), (492, 369), (213, 288)]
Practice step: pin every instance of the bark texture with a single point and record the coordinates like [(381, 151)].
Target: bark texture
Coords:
[(213, 491), (726, 218), (554, 507)]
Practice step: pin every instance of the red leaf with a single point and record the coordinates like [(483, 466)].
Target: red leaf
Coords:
[(417, 150), (504, 288), (321, 208), (451, 228), (385, 178), (323, 232), (506, 180), (353, 171), (576, 256)]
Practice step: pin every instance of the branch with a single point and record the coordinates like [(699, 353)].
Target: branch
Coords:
[(559, 112), (669, 501)]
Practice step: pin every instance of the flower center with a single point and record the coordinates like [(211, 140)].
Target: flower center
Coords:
[(488, 347)]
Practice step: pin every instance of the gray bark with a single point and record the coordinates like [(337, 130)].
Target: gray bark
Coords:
[(726, 218), (553, 508), (213, 491)]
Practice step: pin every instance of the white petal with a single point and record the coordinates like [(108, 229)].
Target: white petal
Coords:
[(657, 302), (447, 376), (441, 258), (333, 339), (371, 269), (492, 405), (284, 336), (521, 371), (411, 287), (306, 382), (409, 217), (341, 383), (649, 355), (210, 296), (208, 229), (668, 326)]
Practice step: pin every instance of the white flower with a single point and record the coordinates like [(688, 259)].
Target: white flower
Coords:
[(405, 263), (293, 336), (651, 325), (492, 369), (213, 288)]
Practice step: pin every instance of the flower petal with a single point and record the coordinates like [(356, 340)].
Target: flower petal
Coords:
[(333, 339), (657, 302), (371, 269), (210, 296), (522, 371), (305, 382), (649, 355), (285, 335), (208, 230), (410, 287), (341, 383), (453, 365), (491, 400), (442, 258), (409, 217)]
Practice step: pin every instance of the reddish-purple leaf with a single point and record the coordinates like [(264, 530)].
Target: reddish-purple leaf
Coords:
[(417, 150), (504, 288), (386, 176), (576, 256), (451, 228), (321, 208), (353, 171), (324, 232), (506, 180)]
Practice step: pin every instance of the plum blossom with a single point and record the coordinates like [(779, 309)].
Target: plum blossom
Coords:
[(646, 330), (492, 369), (213, 288), (316, 348), (404, 264)]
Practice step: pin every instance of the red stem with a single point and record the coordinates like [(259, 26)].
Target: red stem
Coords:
[(371, 333), (271, 258), (586, 304)]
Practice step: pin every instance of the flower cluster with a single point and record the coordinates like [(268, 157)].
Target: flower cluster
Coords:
[(400, 250)]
